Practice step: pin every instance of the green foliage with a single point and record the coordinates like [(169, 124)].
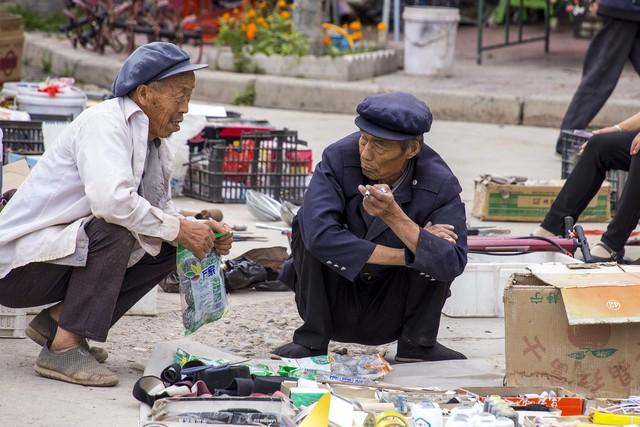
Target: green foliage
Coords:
[(248, 97), (280, 38), (46, 62), (35, 22), (268, 29)]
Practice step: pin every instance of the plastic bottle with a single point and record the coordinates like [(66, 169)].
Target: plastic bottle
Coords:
[(426, 414)]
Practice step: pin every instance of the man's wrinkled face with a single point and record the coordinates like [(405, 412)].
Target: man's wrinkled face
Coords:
[(166, 102), (382, 160)]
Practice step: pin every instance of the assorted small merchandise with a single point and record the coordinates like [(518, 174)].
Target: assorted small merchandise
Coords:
[(348, 391)]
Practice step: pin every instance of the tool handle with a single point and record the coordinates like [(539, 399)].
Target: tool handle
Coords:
[(583, 243)]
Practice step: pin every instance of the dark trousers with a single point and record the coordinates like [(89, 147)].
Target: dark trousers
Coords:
[(375, 309), (608, 52), (95, 296), (603, 152)]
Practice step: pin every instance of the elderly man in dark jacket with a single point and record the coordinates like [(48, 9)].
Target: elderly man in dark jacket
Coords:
[(379, 238), (617, 42)]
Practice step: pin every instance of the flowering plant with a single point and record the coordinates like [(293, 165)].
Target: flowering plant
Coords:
[(259, 27)]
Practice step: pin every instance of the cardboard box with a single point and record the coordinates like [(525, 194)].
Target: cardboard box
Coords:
[(11, 47), (530, 202), (576, 328)]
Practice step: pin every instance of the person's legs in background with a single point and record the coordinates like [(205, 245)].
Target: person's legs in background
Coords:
[(603, 152), (605, 59)]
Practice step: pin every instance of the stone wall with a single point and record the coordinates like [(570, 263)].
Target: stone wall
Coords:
[(41, 7)]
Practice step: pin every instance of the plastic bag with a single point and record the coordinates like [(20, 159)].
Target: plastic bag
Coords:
[(202, 292), (242, 273)]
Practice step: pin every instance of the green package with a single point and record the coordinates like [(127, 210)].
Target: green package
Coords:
[(183, 357), (202, 291)]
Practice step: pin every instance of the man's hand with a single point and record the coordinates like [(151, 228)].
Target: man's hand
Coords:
[(197, 237), (378, 200), (222, 245), (635, 145), (444, 231)]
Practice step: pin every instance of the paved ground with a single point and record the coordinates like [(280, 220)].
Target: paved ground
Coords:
[(516, 85), (259, 321)]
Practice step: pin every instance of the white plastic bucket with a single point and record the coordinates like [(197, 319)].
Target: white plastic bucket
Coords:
[(70, 101), (429, 39)]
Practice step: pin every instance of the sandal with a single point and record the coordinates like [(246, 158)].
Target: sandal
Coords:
[(613, 255)]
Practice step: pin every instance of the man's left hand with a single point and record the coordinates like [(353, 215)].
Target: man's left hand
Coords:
[(378, 200), (222, 245)]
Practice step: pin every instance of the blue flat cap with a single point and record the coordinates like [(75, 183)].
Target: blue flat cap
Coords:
[(149, 63), (395, 116)]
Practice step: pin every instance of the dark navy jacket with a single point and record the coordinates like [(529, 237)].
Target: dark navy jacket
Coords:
[(628, 10), (333, 228)]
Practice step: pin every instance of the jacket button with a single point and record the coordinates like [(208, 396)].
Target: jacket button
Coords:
[(343, 268), (414, 182), (329, 262)]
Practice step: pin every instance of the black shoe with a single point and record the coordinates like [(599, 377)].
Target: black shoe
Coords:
[(408, 353), (297, 351)]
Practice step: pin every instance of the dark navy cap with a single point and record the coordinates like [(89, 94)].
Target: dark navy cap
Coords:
[(395, 116), (149, 63)]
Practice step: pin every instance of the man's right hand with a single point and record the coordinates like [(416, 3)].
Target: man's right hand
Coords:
[(443, 231), (197, 237)]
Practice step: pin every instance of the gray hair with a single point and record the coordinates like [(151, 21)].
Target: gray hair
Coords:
[(406, 144)]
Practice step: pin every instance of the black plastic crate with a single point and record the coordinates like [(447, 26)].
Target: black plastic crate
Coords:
[(21, 137), (266, 162), (570, 142)]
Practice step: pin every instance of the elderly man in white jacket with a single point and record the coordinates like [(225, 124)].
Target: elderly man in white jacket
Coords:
[(92, 228)]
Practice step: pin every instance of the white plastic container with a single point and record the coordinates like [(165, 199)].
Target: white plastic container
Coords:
[(479, 290), (147, 305), (426, 414), (13, 322), (430, 39), (70, 100)]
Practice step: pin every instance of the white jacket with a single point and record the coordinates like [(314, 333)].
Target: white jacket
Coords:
[(94, 169)]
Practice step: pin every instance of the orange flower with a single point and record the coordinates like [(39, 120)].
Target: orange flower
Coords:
[(262, 5), (262, 22), (282, 3), (236, 11), (251, 31), (285, 14), (355, 26), (381, 26), (326, 40), (357, 35), (226, 16), (252, 13)]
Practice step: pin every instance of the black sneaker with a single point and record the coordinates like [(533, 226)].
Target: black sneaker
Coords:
[(409, 353)]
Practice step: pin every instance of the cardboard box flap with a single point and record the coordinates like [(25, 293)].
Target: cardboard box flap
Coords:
[(595, 295), (602, 304), (584, 275)]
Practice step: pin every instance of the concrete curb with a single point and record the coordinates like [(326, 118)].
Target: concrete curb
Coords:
[(59, 58)]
